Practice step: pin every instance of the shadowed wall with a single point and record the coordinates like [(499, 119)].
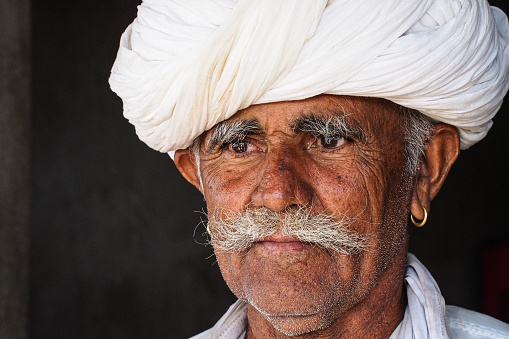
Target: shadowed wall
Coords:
[(14, 166), (113, 253)]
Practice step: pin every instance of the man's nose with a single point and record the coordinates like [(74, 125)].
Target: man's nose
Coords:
[(281, 184)]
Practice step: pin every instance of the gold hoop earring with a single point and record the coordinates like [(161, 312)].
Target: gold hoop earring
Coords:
[(423, 221), (208, 229)]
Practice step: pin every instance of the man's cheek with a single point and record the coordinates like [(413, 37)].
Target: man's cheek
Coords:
[(228, 265), (232, 192)]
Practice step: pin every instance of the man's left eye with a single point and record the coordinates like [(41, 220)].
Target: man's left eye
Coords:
[(331, 142)]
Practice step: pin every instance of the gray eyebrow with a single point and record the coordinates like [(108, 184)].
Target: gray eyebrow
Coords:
[(230, 131), (328, 126)]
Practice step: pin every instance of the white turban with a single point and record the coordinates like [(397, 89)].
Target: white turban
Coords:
[(185, 65)]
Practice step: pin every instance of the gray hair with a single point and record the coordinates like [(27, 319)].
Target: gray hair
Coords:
[(418, 130), (238, 232), (195, 149)]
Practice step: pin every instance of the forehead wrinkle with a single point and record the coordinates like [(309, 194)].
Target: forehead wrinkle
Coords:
[(319, 113)]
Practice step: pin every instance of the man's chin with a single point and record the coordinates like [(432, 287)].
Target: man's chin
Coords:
[(293, 325), (294, 317)]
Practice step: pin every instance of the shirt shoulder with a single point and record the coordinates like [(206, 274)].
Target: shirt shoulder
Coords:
[(466, 324)]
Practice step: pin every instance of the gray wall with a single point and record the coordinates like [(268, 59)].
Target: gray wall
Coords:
[(112, 247), (14, 166)]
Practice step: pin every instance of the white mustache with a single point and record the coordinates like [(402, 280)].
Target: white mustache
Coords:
[(237, 232)]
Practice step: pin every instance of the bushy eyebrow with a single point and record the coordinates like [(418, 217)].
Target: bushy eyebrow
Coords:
[(230, 131), (328, 126)]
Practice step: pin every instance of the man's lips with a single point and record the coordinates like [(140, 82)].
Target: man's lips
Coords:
[(283, 244)]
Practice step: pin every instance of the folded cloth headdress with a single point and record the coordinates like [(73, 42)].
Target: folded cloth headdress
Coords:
[(185, 65)]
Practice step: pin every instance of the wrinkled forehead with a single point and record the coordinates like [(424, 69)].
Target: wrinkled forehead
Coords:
[(371, 115)]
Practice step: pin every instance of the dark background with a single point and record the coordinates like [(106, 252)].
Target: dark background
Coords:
[(114, 234)]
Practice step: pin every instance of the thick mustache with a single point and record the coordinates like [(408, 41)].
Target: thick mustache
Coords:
[(238, 232)]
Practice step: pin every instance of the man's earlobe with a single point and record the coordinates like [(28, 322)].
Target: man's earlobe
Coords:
[(442, 151), (186, 164)]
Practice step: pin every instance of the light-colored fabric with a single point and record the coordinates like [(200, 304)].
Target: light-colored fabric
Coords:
[(184, 66), (425, 313), (426, 316), (465, 324), (232, 325)]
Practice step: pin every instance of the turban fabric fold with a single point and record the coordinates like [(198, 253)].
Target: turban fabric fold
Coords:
[(185, 65)]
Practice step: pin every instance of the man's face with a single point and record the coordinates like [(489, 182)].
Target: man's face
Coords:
[(334, 155)]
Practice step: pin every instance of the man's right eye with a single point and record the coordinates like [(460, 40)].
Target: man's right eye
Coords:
[(239, 146)]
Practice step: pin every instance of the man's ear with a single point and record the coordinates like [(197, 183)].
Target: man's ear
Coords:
[(186, 164), (442, 150)]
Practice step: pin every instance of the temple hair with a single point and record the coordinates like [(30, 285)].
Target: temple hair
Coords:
[(418, 130)]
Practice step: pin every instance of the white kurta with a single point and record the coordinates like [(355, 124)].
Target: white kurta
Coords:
[(426, 315)]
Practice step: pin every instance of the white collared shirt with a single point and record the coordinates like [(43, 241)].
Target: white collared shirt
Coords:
[(426, 315)]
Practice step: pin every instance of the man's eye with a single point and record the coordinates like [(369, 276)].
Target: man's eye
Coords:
[(239, 146), (331, 142)]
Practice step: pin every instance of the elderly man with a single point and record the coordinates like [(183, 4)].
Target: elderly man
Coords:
[(318, 131)]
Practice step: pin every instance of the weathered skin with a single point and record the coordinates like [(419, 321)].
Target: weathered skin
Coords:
[(298, 289)]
